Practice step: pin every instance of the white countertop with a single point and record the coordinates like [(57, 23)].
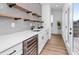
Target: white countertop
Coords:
[(10, 40)]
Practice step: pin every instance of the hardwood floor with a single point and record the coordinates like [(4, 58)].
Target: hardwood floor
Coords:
[(55, 46)]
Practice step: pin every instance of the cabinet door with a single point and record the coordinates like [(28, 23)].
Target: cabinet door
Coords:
[(44, 38), (45, 34), (40, 42)]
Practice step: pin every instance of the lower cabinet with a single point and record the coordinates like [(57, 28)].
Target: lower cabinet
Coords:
[(46, 36), (15, 50), (30, 46), (42, 40)]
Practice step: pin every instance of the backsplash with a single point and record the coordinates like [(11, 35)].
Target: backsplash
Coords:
[(6, 26)]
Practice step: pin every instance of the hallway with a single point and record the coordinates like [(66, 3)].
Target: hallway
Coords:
[(55, 46)]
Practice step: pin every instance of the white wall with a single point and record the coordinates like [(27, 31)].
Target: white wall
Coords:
[(46, 17), (57, 16)]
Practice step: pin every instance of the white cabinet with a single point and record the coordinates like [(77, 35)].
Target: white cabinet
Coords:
[(42, 40), (46, 36), (15, 50)]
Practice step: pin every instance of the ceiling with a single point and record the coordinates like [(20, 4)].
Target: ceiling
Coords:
[(56, 6)]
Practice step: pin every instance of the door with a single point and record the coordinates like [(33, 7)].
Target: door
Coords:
[(69, 28)]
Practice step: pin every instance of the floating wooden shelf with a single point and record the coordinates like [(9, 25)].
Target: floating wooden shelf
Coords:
[(33, 20), (26, 19), (19, 7), (9, 16), (25, 10), (36, 14), (22, 8)]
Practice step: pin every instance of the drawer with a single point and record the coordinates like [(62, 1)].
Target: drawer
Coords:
[(12, 50)]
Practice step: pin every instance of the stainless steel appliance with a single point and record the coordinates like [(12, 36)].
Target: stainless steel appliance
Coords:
[(30, 46)]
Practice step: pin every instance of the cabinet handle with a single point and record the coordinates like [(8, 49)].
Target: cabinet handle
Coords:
[(12, 52)]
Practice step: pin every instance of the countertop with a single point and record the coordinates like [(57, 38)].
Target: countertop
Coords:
[(10, 40)]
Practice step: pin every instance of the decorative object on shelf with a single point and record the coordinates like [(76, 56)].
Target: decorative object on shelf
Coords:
[(40, 27), (59, 24), (32, 27), (19, 7)]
